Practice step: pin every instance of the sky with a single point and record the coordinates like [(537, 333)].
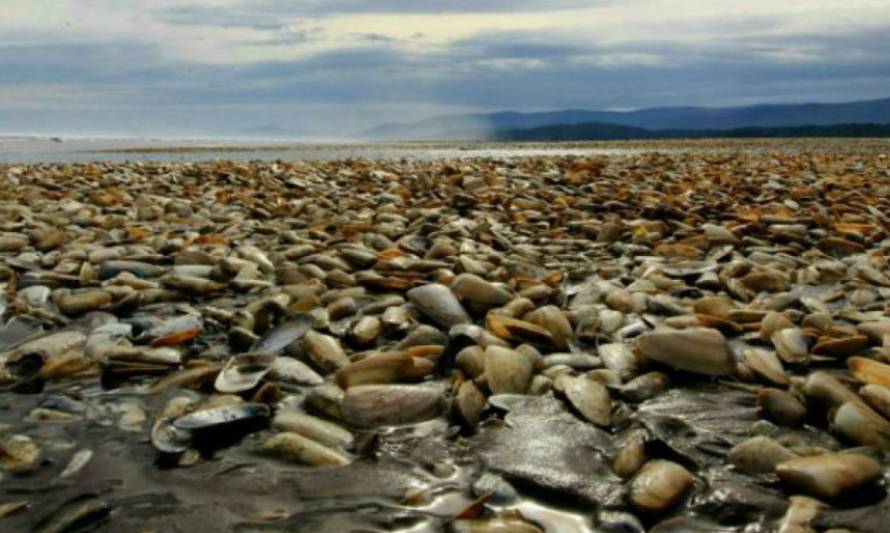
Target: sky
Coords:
[(331, 68)]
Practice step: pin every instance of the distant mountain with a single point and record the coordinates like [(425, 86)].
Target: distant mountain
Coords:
[(272, 132), (588, 131), (597, 131), (483, 126)]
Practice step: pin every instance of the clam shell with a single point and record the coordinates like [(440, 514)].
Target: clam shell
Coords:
[(470, 402), (869, 371), (78, 303), (759, 455), (631, 455), (439, 304), (471, 360), (878, 398), (827, 390), (841, 347), (859, 423), (554, 321), (773, 322), (305, 450), (766, 365), (518, 330), (658, 486), (876, 330), (371, 406), (323, 351), (366, 330), (700, 350), (791, 345), (645, 386), (386, 367), (782, 407), (507, 371), (290, 370), (829, 476), (718, 306), (243, 371), (473, 288), (112, 268), (18, 452), (317, 429), (589, 397)]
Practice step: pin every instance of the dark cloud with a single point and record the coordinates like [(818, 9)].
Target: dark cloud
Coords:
[(287, 37), (374, 38)]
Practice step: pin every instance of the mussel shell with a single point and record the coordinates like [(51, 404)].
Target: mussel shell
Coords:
[(216, 416), (279, 337)]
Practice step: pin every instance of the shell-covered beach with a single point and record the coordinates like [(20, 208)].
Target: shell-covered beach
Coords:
[(689, 339)]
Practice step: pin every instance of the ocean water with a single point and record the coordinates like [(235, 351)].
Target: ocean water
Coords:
[(55, 150)]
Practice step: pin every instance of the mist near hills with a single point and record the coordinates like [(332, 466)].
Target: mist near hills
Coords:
[(498, 126)]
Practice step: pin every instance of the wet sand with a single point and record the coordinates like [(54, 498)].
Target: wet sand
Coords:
[(79, 150)]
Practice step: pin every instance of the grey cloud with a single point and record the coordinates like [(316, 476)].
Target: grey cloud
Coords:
[(374, 37), (239, 17), (131, 86), (287, 37), (324, 7)]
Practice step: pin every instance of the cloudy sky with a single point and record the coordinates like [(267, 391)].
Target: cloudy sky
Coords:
[(333, 67)]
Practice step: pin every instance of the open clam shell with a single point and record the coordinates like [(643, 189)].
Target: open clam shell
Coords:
[(243, 371)]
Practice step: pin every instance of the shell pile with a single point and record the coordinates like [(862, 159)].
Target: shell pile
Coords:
[(656, 342)]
